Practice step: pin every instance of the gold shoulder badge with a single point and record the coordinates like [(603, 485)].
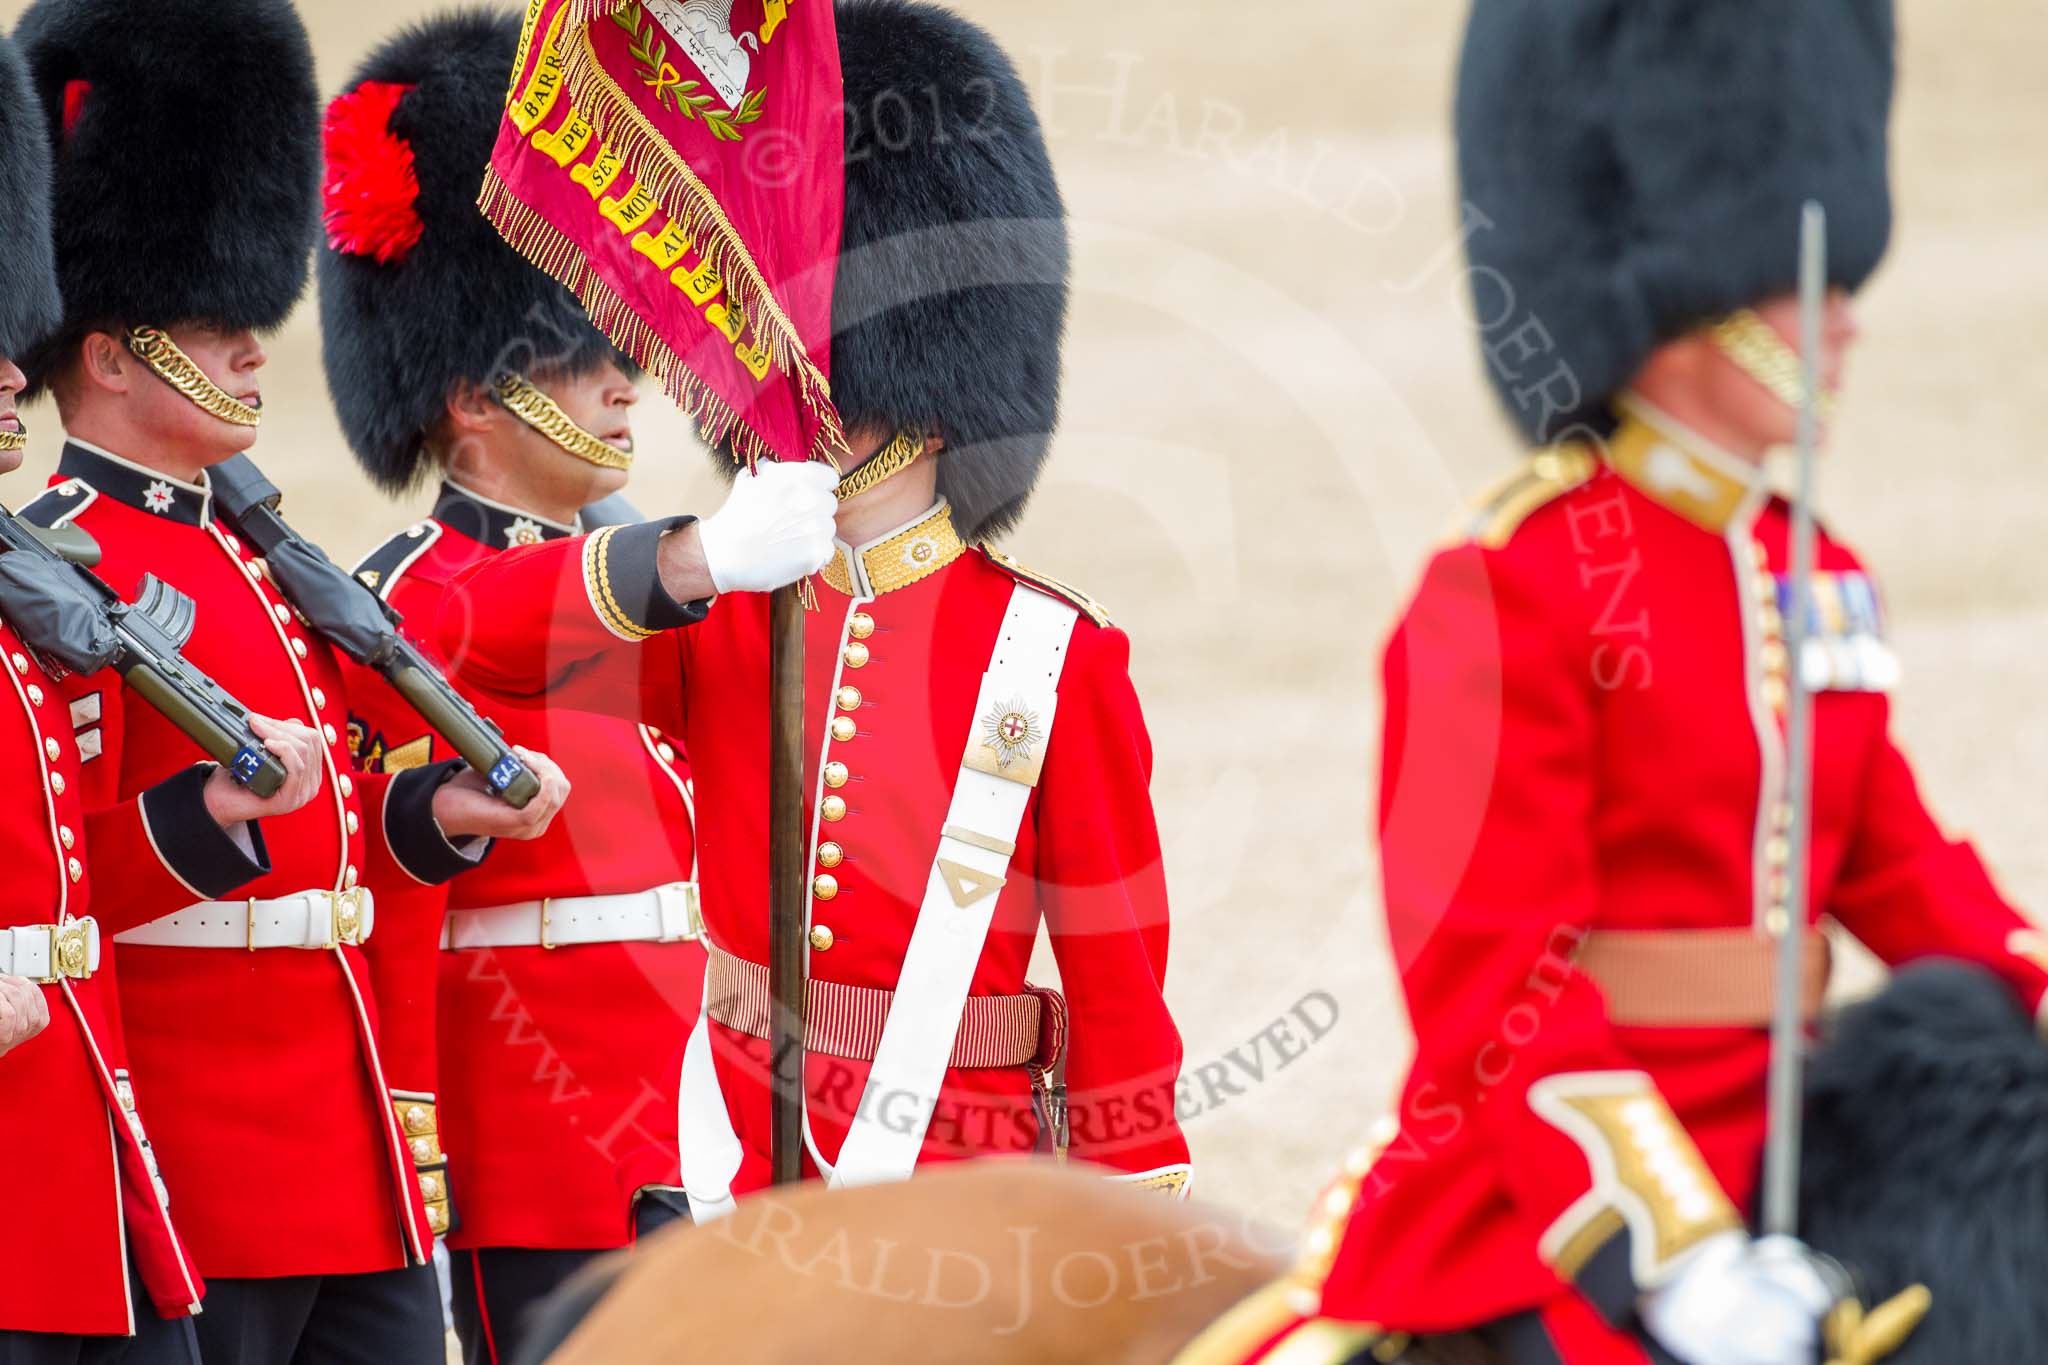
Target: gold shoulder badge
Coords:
[(1543, 478), (1073, 597)]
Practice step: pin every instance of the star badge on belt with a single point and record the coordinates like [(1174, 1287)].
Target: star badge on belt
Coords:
[(1013, 730)]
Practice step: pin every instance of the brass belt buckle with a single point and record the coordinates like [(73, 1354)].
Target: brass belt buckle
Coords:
[(345, 922), (693, 903), (70, 953), (546, 923)]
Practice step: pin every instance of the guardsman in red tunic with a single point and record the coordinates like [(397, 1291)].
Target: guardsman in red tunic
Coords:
[(94, 1270), (978, 764), (187, 175), (568, 968), (1584, 808)]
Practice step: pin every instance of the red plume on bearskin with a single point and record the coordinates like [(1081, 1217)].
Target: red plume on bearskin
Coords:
[(371, 195), (74, 103)]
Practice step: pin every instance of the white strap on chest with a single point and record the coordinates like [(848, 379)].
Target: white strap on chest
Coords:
[(1005, 752)]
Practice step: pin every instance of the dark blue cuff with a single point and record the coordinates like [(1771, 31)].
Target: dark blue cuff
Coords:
[(1607, 1281), (632, 567), (415, 841), (197, 851)]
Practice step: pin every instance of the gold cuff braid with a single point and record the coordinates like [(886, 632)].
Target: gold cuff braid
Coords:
[(890, 461), (545, 416), (1759, 352), (153, 347)]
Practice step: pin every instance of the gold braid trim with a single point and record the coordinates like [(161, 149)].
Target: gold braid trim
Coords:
[(1759, 352), (153, 347), (597, 585), (667, 174), (890, 461), (526, 402), (13, 440)]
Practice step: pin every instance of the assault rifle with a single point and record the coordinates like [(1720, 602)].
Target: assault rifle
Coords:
[(363, 626), (62, 610)]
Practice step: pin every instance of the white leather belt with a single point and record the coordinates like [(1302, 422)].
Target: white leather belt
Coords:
[(663, 914), (1005, 754), (310, 919), (49, 953)]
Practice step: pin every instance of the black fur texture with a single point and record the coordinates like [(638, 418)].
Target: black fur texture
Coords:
[(1633, 168), (29, 305), (462, 305), (186, 191), (951, 300), (1927, 1159)]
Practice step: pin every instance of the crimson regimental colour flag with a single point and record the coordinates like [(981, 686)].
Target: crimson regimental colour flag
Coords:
[(679, 165)]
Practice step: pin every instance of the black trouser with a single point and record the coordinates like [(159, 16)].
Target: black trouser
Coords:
[(156, 1340), (498, 1291), (386, 1317)]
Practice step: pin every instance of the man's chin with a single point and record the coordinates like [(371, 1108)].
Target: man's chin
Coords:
[(10, 460), (232, 441)]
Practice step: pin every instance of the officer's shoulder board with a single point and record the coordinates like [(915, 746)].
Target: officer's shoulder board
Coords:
[(1052, 587), (1544, 477), (380, 570), (58, 504)]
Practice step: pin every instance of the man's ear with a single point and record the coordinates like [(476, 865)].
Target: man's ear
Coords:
[(105, 361), (470, 409)]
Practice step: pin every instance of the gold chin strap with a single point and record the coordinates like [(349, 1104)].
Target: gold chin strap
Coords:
[(153, 347), (545, 416), (888, 462), (13, 440), (1759, 352)]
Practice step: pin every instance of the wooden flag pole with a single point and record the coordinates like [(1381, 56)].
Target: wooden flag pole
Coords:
[(787, 900)]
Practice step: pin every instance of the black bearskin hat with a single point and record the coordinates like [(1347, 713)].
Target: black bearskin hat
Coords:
[(1926, 1159), (417, 289), (952, 292), (29, 306), (1632, 169), (187, 160)]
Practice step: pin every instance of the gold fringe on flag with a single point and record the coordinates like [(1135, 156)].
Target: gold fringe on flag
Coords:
[(648, 157)]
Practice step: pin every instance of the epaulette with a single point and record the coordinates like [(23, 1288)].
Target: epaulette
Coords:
[(380, 570), (58, 504), (1073, 597), (1543, 478)]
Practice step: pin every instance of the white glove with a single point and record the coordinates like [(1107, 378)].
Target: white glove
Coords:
[(1742, 1302), (775, 528)]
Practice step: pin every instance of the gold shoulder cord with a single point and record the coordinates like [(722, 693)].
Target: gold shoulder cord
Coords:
[(545, 416), (1759, 352), (890, 461), (153, 347)]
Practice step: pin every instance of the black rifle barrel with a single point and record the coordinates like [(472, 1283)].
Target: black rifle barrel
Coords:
[(150, 636), (353, 618)]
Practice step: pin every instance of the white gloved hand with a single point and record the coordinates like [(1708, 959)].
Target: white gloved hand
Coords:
[(1742, 1302), (775, 528)]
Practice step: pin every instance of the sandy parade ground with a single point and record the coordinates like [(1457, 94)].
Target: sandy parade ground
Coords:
[(1274, 406)]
